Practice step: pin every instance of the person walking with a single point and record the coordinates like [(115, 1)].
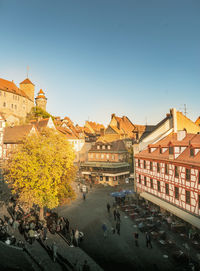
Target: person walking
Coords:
[(108, 207), (136, 237), (118, 216), (76, 237), (104, 228), (54, 251), (118, 227), (148, 240), (115, 214)]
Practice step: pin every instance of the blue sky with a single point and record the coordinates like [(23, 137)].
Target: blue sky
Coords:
[(93, 58)]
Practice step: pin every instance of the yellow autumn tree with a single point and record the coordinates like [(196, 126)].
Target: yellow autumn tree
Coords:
[(41, 170)]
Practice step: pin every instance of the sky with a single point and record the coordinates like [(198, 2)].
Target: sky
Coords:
[(92, 58)]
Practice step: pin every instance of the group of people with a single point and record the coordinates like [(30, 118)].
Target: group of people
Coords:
[(117, 226)]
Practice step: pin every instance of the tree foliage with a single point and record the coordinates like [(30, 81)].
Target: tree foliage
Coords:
[(40, 171), (37, 112)]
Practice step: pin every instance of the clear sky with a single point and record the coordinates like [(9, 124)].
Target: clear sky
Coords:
[(93, 58)]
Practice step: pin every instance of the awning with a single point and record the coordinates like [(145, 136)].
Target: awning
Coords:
[(193, 220)]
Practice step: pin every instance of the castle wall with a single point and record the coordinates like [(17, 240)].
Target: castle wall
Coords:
[(14, 104)]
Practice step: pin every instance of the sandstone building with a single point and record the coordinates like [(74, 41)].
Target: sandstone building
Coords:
[(16, 102)]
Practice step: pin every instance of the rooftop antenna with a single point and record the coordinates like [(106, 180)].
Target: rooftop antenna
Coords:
[(185, 110), (27, 71)]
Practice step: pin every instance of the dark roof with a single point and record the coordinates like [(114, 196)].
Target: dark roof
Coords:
[(115, 146), (151, 128)]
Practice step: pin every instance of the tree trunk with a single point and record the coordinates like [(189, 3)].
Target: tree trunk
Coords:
[(41, 215)]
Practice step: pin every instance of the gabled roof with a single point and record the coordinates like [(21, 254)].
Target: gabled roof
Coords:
[(27, 81), (188, 142), (40, 124), (16, 134), (11, 87), (96, 127)]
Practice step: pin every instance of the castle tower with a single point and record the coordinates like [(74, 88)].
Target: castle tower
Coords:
[(29, 88), (41, 100)]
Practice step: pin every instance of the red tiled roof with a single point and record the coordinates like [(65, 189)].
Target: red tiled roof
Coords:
[(189, 141), (27, 81), (96, 126), (11, 87)]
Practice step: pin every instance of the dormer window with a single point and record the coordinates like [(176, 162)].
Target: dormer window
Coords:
[(98, 147), (171, 150), (160, 150), (103, 147), (192, 152), (108, 147)]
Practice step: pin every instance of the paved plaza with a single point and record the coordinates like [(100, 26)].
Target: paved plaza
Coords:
[(114, 252)]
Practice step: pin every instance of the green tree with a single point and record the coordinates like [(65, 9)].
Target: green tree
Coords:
[(37, 112), (41, 170)]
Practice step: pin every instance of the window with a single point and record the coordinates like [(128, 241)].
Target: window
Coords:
[(11, 105), (108, 147), (145, 181), (101, 178), (158, 167), (103, 147), (158, 184), (176, 192), (151, 182), (166, 169), (139, 178), (176, 172), (171, 150), (113, 157), (144, 164), (160, 150), (102, 156), (191, 152), (107, 156), (91, 155), (187, 197), (15, 107), (4, 104), (98, 147), (138, 162), (107, 178), (187, 174), (151, 166), (167, 189), (97, 155)]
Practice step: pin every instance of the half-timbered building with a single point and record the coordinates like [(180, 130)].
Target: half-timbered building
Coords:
[(168, 174)]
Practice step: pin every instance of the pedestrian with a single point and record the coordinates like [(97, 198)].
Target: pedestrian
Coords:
[(104, 228), (108, 207), (76, 237), (54, 251), (90, 186), (115, 214), (148, 240), (45, 233), (85, 267), (118, 227), (136, 237), (118, 215)]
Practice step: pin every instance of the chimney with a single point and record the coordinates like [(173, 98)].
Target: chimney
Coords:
[(102, 132), (112, 116), (174, 118), (181, 135)]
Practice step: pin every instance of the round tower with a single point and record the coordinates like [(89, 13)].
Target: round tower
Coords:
[(41, 100), (29, 88)]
